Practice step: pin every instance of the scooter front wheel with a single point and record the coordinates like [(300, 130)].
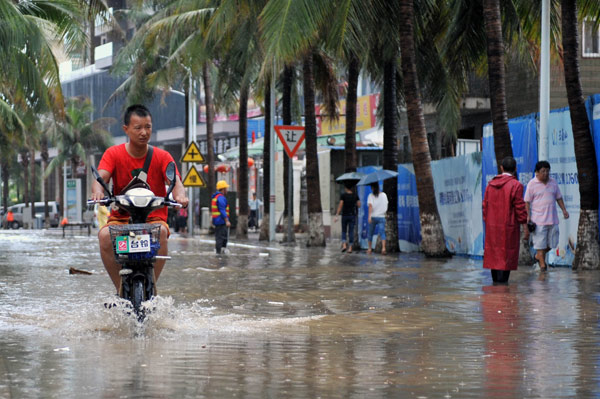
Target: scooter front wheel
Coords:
[(137, 297)]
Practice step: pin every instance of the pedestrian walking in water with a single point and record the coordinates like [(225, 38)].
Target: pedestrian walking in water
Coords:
[(503, 211), (181, 223), (541, 197), (378, 203), (220, 215), (349, 203), (254, 204)]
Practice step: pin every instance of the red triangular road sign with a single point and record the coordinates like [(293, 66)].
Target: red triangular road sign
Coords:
[(291, 137)]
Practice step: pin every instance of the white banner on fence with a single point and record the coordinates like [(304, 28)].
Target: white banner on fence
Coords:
[(457, 183), (563, 168)]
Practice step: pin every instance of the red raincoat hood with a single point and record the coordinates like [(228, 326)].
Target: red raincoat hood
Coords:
[(500, 180)]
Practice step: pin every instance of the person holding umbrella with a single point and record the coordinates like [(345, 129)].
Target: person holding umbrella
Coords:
[(378, 203), (349, 203)]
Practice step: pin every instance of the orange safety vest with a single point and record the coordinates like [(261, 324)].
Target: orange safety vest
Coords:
[(10, 217), (214, 209)]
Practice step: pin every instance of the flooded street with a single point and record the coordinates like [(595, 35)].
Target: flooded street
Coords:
[(281, 322)]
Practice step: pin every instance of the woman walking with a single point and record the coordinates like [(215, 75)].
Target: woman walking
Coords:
[(378, 204)]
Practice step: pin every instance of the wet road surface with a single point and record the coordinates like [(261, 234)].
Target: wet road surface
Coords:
[(281, 322)]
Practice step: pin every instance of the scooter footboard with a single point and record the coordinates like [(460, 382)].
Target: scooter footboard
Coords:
[(135, 242)]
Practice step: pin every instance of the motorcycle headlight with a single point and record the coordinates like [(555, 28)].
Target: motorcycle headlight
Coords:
[(141, 202)]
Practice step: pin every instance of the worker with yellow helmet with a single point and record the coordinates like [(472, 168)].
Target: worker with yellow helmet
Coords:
[(220, 215)]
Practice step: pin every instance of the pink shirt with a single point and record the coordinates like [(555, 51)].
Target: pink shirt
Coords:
[(542, 198)]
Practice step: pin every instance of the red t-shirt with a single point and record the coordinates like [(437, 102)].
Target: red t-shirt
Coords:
[(123, 167)]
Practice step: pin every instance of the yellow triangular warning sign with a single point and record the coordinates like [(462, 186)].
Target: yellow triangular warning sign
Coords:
[(193, 179), (192, 154)]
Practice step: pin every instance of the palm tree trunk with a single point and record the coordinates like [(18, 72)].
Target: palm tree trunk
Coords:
[(210, 121), (242, 219), (61, 191), (264, 227), (496, 74), (45, 157), (288, 189), (25, 163), (5, 176), (316, 237), (351, 100), (433, 242), (587, 253), (390, 153), (32, 185)]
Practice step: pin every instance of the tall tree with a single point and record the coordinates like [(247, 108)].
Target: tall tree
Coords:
[(350, 156), (316, 236), (210, 120), (287, 83), (390, 151), (587, 253), (78, 136), (265, 226), (497, 76), (242, 224), (433, 241)]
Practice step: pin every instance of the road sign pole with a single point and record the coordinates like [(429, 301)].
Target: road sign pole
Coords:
[(190, 224), (290, 197), (272, 162), (291, 137)]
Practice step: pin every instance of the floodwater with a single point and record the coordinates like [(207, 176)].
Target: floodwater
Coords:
[(283, 322)]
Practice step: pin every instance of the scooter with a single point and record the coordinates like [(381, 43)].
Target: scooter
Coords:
[(136, 244)]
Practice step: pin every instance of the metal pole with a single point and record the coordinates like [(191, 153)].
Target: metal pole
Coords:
[(272, 162), (544, 81), (290, 203), (190, 219)]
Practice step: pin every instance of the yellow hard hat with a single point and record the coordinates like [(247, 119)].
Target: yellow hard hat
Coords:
[(222, 184)]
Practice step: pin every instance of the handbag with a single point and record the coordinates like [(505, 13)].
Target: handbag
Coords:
[(531, 227)]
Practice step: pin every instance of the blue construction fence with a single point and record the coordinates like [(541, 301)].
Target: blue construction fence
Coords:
[(460, 182)]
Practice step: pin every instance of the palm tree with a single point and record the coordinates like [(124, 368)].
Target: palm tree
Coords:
[(287, 83), (175, 41), (350, 157), (433, 242), (316, 236), (265, 226), (496, 75), (210, 119), (390, 150), (77, 137), (242, 226), (587, 253)]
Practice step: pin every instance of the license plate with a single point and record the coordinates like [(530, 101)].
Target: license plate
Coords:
[(129, 244)]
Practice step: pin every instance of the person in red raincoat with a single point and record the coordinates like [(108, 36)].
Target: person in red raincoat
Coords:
[(503, 211)]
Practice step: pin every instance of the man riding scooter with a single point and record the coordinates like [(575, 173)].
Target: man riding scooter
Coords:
[(135, 159)]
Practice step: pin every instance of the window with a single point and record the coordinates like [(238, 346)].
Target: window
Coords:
[(591, 39)]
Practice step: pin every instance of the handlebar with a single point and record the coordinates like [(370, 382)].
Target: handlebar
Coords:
[(104, 201)]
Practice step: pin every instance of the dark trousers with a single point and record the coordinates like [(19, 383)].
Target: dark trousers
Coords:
[(220, 237), (348, 223), (500, 276), (253, 221)]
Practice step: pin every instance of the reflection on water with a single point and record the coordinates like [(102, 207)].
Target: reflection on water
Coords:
[(291, 322)]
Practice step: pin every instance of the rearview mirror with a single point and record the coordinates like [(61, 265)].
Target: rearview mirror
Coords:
[(170, 172)]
